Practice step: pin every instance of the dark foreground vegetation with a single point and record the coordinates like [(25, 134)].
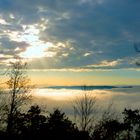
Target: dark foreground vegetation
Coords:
[(57, 126)]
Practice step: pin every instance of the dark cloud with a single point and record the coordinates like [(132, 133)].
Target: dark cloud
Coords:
[(98, 30)]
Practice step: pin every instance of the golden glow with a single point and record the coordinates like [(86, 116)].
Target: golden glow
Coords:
[(68, 78)]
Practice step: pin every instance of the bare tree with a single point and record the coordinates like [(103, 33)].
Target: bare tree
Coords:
[(84, 110), (18, 89)]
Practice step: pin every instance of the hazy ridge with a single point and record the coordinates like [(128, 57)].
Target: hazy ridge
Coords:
[(87, 87)]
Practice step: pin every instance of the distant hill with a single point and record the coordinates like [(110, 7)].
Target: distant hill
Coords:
[(82, 87)]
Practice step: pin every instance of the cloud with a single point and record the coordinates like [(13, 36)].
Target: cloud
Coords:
[(3, 22), (105, 63), (84, 33)]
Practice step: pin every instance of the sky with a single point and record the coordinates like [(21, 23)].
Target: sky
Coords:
[(73, 42)]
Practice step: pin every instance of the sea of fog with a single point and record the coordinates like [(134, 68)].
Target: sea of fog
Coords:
[(64, 97)]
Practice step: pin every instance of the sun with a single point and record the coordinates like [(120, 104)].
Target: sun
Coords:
[(37, 48), (34, 52)]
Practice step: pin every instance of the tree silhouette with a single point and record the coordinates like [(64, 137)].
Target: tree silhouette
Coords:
[(84, 110), (59, 126), (27, 125), (19, 89), (107, 130), (109, 126), (33, 125), (132, 123)]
